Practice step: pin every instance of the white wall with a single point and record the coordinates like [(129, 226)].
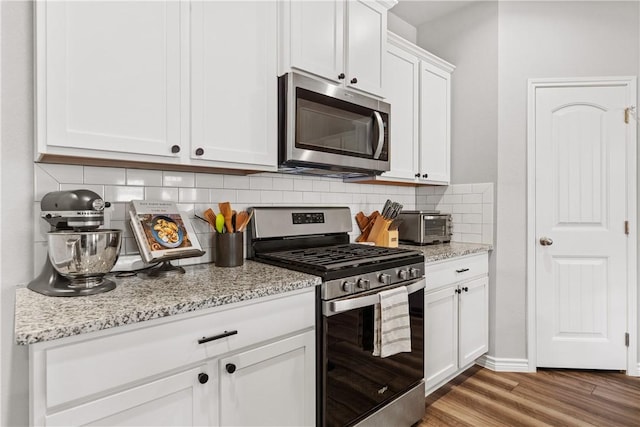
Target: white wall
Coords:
[(543, 39), (468, 38), (401, 27), (16, 168)]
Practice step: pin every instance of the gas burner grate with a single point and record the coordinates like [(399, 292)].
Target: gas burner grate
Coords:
[(340, 256)]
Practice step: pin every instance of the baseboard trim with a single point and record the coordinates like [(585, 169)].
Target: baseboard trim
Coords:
[(503, 364)]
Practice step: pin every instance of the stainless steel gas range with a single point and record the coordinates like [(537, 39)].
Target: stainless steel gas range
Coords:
[(353, 386)]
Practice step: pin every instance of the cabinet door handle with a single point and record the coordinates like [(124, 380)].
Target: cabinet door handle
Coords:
[(217, 337), (417, 175), (426, 175), (230, 367), (341, 76), (354, 80), (457, 291), (199, 151), (466, 289), (462, 270), (203, 378), (175, 149)]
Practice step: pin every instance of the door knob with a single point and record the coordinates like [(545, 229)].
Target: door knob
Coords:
[(546, 241)]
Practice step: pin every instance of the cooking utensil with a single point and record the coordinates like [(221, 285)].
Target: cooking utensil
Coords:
[(225, 210), (362, 220), (241, 218), (220, 223), (365, 233), (386, 209), (233, 221), (244, 224), (210, 216)]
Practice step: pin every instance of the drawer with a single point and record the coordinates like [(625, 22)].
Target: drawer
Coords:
[(454, 270), (79, 370)]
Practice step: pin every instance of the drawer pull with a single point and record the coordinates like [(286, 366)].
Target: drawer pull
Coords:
[(230, 367), (217, 337), (203, 378), (462, 270)]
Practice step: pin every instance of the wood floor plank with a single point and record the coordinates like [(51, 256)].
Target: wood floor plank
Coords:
[(481, 397)]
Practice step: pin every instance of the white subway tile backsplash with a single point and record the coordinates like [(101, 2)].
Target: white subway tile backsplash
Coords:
[(271, 196), (472, 198), (472, 218), (187, 209), (487, 195), (461, 188), (121, 193), (193, 195), (168, 194), (43, 183), (487, 213), (302, 185), (208, 180), (452, 199), (471, 238), (119, 211), (320, 185), (178, 179), (145, 178), (100, 175), (217, 195), (480, 188), (64, 174), (124, 226), (260, 183), (237, 182), (283, 184), (249, 196), (292, 197)]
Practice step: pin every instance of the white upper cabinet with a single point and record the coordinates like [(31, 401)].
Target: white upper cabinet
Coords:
[(108, 78), (342, 41), (234, 83), (417, 84), (435, 123), (403, 93), (189, 84)]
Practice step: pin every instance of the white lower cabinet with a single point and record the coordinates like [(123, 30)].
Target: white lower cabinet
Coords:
[(269, 385), (456, 317), (249, 364)]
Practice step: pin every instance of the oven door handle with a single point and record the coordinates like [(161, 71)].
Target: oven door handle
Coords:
[(376, 154), (330, 308)]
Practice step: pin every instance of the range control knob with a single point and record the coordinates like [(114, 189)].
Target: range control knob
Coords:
[(364, 284), (384, 278), (348, 286), (414, 272), (403, 274)]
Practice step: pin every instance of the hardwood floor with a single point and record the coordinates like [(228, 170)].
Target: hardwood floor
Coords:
[(555, 397)]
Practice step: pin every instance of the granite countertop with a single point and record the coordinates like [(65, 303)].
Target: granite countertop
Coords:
[(136, 299), (444, 251)]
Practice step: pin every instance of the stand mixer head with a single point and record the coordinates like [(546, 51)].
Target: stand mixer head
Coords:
[(79, 253)]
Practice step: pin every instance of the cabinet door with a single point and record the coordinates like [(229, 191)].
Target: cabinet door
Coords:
[(435, 138), (440, 335), (366, 44), (234, 83), (401, 87), (317, 37), (177, 400), (108, 77), (474, 320), (272, 385)]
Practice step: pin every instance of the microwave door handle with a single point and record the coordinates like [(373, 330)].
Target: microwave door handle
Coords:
[(336, 307), (376, 154)]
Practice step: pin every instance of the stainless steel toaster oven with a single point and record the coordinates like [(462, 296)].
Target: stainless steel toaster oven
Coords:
[(424, 227)]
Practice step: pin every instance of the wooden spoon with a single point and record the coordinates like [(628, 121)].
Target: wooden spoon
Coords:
[(241, 218), (210, 216), (227, 212), (242, 225)]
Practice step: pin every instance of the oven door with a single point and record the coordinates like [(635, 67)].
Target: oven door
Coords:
[(356, 383)]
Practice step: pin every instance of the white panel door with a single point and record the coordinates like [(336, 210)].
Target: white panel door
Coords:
[(366, 43), (317, 37), (401, 87), (272, 385), (435, 124), (474, 320), (111, 76), (234, 82), (440, 335), (581, 252), (177, 400)]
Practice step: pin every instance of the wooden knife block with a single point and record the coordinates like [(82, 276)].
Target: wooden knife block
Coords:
[(380, 234)]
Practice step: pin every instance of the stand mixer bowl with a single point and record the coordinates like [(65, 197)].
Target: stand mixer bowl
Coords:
[(84, 257)]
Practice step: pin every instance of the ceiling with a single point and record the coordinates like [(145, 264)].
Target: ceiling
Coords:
[(417, 12)]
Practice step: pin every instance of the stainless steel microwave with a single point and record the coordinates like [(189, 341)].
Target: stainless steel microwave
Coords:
[(325, 129)]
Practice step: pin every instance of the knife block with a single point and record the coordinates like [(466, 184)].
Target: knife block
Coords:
[(380, 234)]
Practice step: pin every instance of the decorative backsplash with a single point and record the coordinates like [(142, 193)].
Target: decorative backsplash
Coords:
[(470, 204)]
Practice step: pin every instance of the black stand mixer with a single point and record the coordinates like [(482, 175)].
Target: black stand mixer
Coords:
[(79, 253)]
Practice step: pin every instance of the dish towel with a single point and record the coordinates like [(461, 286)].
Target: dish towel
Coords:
[(391, 328)]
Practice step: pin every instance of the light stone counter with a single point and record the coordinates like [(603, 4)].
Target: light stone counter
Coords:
[(444, 251), (136, 299)]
